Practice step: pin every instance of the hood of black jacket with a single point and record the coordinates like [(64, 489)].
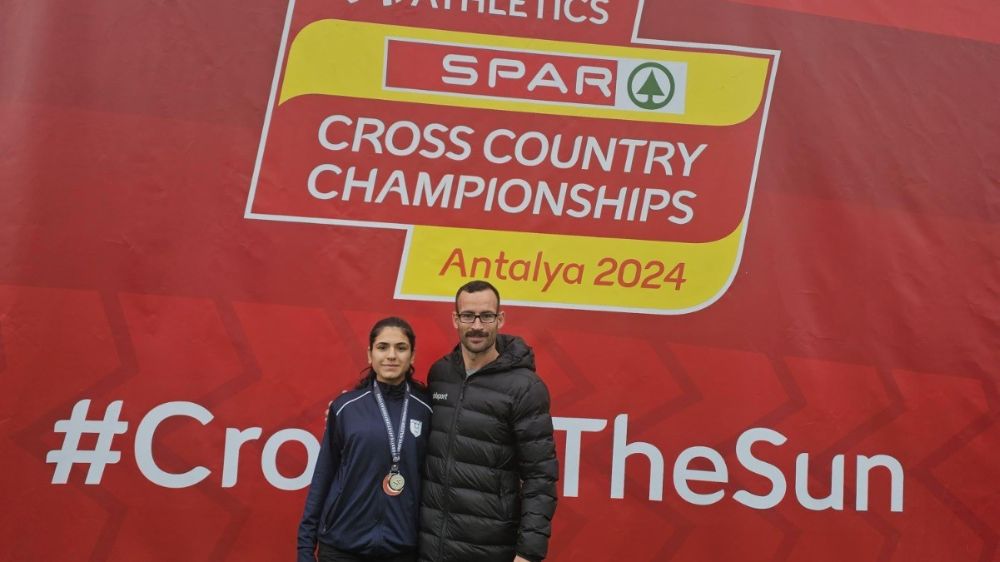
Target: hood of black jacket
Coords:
[(515, 353)]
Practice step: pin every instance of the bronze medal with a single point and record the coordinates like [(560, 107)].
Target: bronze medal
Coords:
[(393, 484)]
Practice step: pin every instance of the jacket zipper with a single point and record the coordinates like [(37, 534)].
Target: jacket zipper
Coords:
[(379, 527), (379, 535), (451, 441)]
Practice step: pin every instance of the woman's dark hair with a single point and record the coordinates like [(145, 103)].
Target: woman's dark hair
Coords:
[(391, 322)]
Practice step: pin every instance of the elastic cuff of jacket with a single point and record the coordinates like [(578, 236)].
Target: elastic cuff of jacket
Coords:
[(529, 558)]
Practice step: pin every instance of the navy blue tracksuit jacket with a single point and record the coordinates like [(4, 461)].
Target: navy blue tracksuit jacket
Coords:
[(346, 507)]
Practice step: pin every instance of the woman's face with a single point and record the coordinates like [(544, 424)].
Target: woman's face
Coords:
[(390, 355)]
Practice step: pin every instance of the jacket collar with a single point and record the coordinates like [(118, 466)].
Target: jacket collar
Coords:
[(514, 353)]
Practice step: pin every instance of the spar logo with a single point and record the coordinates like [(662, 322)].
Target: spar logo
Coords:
[(651, 94), (542, 77)]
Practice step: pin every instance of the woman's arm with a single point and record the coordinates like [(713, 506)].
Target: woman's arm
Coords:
[(326, 467)]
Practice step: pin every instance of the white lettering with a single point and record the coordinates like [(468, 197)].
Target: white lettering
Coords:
[(683, 473), (269, 459), (621, 450), (767, 470), (235, 438), (574, 428), (459, 64), (144, 444)]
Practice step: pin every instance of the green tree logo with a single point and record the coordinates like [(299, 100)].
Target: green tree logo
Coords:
[(655, 89)]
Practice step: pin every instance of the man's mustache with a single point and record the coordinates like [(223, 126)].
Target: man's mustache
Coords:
[(476, 334)]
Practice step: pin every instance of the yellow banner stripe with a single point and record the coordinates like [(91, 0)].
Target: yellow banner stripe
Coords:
[(577, 271), (346, 58)]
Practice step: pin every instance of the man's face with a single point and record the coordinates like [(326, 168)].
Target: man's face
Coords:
[(477, 336)]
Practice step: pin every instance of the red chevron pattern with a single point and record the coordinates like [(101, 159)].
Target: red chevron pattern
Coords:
[(863, 319)]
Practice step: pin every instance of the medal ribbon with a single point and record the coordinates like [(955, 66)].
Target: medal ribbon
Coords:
[(395, 446)]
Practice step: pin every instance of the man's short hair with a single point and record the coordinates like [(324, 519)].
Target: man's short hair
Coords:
[(477, 286)]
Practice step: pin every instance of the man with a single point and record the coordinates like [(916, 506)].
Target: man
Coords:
[(491, 469)]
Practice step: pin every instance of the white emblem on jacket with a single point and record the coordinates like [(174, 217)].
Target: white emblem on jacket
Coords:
[(415, 427)]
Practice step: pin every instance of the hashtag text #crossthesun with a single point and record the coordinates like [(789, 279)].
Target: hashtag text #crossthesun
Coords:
[(700, 475)]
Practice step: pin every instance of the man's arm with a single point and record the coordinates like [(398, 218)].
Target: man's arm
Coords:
[(539, 471)]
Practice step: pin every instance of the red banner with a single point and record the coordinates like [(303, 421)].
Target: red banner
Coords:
[(753, 244)]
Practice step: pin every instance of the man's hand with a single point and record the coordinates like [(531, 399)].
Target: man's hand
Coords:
[(519, 559)]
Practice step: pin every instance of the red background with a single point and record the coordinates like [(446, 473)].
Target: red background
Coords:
[(864, 318)]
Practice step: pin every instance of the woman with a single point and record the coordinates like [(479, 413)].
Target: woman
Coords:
[(364, 499)]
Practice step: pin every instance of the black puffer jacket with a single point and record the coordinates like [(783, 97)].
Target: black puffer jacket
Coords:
[(491, 469)]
